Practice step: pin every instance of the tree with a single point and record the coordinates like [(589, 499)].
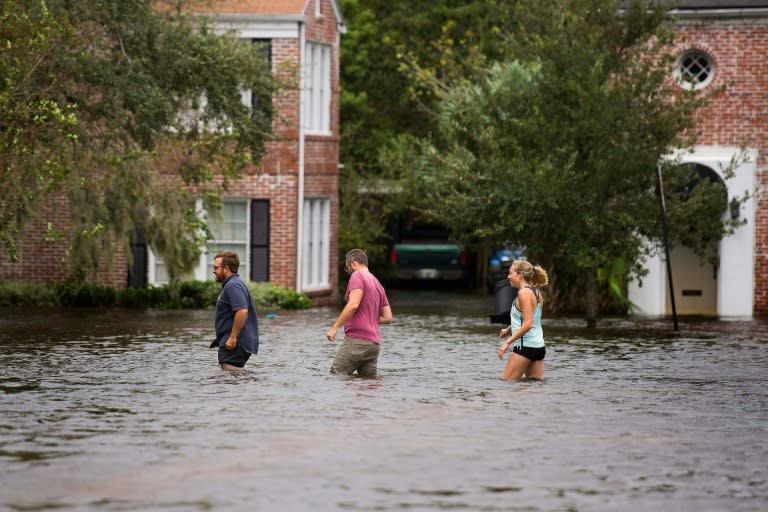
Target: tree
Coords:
[(126, 108), (556, 147), (380, 101), (33, 126), (379, 98)]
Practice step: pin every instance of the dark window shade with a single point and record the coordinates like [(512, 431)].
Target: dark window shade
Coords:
[(137, 274), (259, 240)]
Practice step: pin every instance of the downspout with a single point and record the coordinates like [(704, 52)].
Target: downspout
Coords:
[(300, 184)]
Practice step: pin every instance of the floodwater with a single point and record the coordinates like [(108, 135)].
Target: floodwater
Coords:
[(126, 410)]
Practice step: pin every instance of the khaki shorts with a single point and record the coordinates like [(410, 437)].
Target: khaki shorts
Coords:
[(356, 355)]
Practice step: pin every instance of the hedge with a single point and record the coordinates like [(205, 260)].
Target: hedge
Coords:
[(184, 295)]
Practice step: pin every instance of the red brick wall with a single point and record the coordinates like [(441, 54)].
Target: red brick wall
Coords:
[(43, 255), (739, 49)]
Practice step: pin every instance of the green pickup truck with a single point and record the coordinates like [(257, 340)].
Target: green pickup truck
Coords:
[(427, 255)]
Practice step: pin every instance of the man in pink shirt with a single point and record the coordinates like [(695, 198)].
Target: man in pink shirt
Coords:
[(367, 307)]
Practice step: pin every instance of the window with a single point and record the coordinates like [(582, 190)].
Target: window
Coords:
[(315, 239), (158, 272), (230, 230), (263, 48), (317, 84), (230, 233), (694, 70), (192, 115)]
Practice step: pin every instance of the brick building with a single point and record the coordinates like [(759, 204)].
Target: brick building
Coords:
[(723, 43), (281, 218)]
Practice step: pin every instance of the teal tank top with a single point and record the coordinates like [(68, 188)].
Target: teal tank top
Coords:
[(534, 338)]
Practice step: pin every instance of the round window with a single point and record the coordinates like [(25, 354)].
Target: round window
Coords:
[(694, 70)]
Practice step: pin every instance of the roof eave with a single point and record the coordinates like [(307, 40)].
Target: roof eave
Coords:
[(247, 18), (683, 14)]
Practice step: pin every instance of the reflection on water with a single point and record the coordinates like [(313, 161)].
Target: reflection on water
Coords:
[(107, 410)]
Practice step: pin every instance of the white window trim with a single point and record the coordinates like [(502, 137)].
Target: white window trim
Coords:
[(203, 272), (316, 260), (317, 107), (690, 86), (245, 255)]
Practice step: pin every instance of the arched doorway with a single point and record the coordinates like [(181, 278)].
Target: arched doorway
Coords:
[(695, 279), (736, 274)]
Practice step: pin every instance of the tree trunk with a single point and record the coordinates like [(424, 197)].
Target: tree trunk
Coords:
[(590, 297)]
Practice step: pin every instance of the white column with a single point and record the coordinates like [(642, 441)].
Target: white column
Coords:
[(736, 276), (650, 298)]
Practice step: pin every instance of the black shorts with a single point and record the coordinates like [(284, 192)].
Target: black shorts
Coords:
[(236, 357), (534, 354)]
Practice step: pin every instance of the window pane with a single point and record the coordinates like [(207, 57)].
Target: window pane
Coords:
[(233, 222), (317, 87), (316, 234), (308, 87), (325, 89), (230, 233), (215, 248), (161, 274)]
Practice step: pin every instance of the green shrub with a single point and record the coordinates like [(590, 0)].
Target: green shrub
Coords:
[(158, 295), (185, 295), (139, 298), (77, 294), (19, 293), (199, 294), (272, 296)]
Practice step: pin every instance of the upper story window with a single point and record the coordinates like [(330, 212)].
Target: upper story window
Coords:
[(694, 70), (263, 48), (317, 84)]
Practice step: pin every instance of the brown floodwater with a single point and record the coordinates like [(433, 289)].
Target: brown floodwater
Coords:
[(126, 410)]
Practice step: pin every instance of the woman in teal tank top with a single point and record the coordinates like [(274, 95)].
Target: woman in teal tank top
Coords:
[(524, 333)]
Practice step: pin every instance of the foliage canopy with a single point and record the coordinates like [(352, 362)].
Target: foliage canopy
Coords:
[(120, 106), (555, 146)]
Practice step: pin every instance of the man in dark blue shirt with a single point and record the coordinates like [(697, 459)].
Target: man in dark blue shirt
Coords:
[(236, 325)]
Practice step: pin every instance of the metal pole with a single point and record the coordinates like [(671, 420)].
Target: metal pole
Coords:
[(665, 234)]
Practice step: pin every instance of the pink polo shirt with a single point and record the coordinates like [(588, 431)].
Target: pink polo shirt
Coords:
[(364, 324)]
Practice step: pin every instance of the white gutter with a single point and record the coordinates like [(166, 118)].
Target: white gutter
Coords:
[(300, 185)]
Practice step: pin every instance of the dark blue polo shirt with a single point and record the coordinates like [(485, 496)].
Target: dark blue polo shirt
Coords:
[(233, 297)]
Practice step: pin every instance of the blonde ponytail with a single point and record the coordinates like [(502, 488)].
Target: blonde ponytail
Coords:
[(535, 275)]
